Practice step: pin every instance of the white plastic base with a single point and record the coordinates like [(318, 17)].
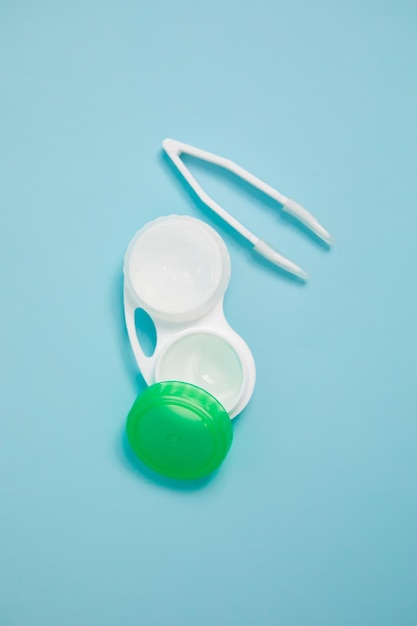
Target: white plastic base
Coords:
[(177, 269)]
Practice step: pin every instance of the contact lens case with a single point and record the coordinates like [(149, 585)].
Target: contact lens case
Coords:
[(201, 373)]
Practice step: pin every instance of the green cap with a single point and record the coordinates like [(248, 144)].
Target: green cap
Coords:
[(179, 430)]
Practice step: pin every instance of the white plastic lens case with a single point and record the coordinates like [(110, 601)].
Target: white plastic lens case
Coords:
[(177, 269)]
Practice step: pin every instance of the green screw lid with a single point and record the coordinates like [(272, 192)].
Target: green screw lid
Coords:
[(179, 430)]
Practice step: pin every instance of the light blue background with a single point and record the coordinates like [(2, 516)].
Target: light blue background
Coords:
[(312, 519)]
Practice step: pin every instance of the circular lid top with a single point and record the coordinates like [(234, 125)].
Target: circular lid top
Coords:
[(179, 430), (178, 267)]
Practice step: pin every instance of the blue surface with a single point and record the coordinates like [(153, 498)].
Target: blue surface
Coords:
[(312, 519)]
